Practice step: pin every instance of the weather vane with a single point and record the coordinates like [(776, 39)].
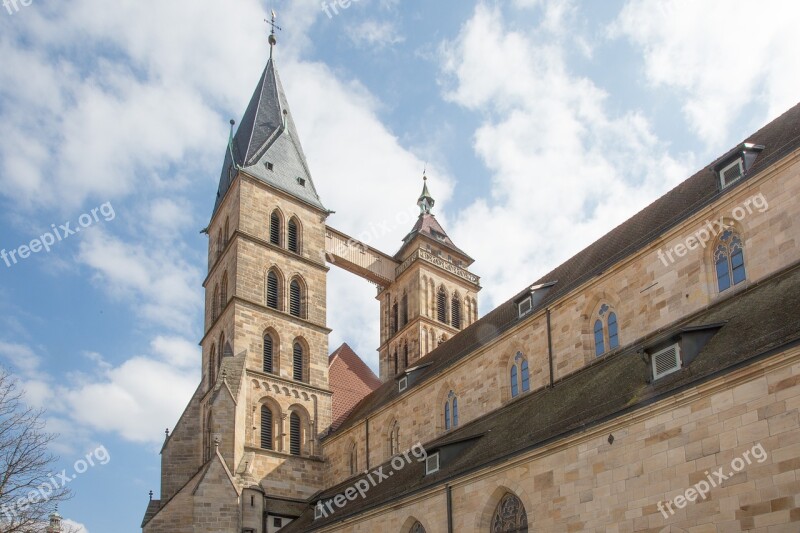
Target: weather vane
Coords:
[(272, 39)]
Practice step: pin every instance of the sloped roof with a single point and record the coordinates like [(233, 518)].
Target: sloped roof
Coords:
[(756, 323), (428, 226), (267, 134), (350, 381), (779, 137)]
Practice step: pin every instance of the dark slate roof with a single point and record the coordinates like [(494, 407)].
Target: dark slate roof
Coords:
[(350, 380), (780, 137), (428, 226), (756, 323), (264, 136)]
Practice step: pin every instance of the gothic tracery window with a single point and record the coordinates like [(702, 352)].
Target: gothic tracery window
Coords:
[(417, 528), (520, 375), (451, 411), (729, 260), (510, 516), (606, 331)]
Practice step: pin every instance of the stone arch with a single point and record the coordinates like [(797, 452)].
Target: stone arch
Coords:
[(507, 360), (306, 359), (441, 398), (298, 297), (306, 435), (277, 423), (709, 265), (275, 225), (274, 288), (294, 232), (276, 349), (589, 313), (483, 519), (411, 522)]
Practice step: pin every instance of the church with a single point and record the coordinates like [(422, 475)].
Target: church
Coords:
[(649, 383)]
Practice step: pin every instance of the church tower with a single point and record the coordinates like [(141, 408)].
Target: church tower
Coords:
[(432, 298)]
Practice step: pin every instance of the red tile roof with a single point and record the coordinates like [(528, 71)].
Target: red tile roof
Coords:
[(351, 381)]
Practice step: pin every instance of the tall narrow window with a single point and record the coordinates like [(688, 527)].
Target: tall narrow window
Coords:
[(525, 375), (268, 360), (613, 332), (441, 306), (405, 355), (396, 368), (417, 528), (273, 290), (394, 318), (295, 434), (599, 343), (266, 428), (215, 304), (294, 236), (223, 295), (212, 366), (227, 230), (514, 382), (451, 411), (220, 246), (297, 362), (729, 260), (296, 299), (455, 310), (353, 459), (275, 229), (404, 310), (510, 516)]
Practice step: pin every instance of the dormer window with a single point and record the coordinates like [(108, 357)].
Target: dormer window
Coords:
[(525, 306), (731, 173), (301, 182), (666, 361), (432, 464), (403, 384), (734, 165), (269, 166)]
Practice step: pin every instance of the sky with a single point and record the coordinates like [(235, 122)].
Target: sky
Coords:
[(542, 125)]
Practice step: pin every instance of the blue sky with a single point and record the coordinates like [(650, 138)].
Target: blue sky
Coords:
[(542, 124)]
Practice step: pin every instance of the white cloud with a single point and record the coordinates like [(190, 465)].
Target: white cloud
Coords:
[(564, 169), (21, 356), (74, 527), (721, 57)]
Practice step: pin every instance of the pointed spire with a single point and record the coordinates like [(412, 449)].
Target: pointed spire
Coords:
[(426, 201)]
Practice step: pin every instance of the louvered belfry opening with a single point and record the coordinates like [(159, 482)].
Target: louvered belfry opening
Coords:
[(294, 242), (441, 307), (456, 311), (294, 434), (296, 299), (275, 228), (273, 290), (297, 362), (266, 428), (268, 361)]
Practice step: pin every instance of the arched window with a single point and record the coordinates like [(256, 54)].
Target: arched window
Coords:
[(275, 229), (613, 333), (223, 295), (294, 235), (215, 304), (298, 363), (451, 411), (212, 366), (514, 382), (266, 428), (417, 528), (441, 305), (220, 246), (510, 516), (227, 230), (404, 310), (353, 459), (396, 368), (273, 290), (405, 355), (520, 376), (456, 311), (599, 344), (269, 366), (729, 260), (606, 331), (394, 318), (295, 434), (296, 307), (394, 438), (221, 352)]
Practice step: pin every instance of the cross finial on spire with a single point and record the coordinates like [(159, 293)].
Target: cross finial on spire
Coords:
[(273, 40)]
